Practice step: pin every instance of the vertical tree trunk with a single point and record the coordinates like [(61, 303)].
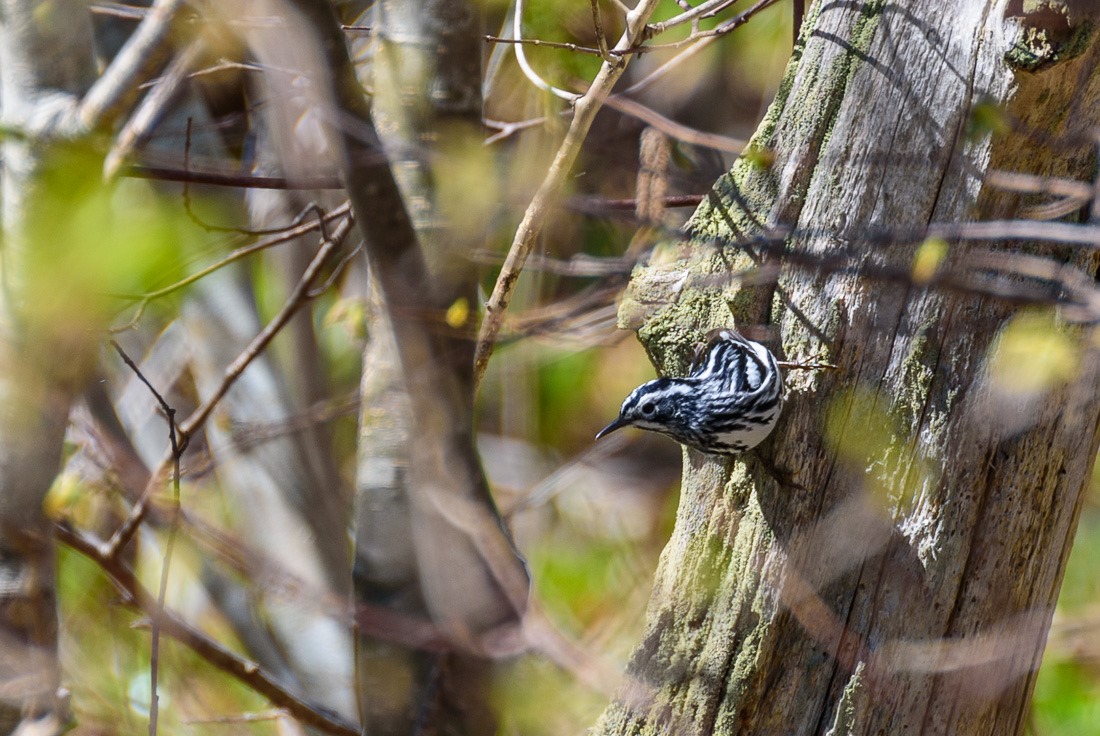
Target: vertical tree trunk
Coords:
[(904, 579), (410, 557)]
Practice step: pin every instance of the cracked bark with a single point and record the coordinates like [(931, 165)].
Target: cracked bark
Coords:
[(909, 589)]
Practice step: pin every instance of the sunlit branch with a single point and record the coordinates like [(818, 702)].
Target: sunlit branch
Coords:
[(506, 129), (546, 44), (535, 216), (695, 44), (136, 62), (211, 651), (703, 10), (698, 36)]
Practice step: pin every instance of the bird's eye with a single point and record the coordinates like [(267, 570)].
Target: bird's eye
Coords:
[(648, 408)]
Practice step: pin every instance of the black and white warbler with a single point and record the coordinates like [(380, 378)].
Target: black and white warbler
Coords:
[(728, 403)]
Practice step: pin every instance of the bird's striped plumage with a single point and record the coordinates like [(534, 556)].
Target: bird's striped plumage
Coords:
[(728, 403)]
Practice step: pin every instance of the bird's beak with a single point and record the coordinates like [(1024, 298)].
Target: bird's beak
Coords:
[(617, 424)]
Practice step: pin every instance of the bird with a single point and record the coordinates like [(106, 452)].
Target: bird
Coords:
[(727, 404)]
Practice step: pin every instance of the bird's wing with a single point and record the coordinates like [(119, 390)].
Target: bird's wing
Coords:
[(710, 341)]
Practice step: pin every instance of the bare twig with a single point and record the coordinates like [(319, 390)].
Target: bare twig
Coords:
[(1050, 232), (697, 37), (525, 66), (506, 129), (707, 9), (695, 44), (125, 532), (287, 235), (119, 10), (548, 44), (230, 178), (140, 125), (154, 655), (171, 625), (142, 54), (601, 39), (533, 220), (298, 297), (1016, 181), (674, 129), (599, 206)]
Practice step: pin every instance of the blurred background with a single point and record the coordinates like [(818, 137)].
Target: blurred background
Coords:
[(252, 565)]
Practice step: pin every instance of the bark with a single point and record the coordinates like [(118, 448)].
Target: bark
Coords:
[(906, 584), (479, 609), (427, 106)]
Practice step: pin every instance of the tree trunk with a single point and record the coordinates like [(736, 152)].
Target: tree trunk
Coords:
[(899, 572), (410, 558)]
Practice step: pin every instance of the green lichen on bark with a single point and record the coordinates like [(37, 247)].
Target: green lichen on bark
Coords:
[(706, 602), (1047, 33), (673, 304), (1036, 49)]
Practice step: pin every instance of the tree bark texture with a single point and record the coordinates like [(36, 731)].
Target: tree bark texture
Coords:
[(899, 572)]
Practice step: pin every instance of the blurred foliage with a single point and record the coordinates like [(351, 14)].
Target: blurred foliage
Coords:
[(1033, 354), (1067, 693), (110, 655), (593, 545)]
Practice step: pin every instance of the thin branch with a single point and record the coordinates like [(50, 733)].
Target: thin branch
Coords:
[(1051, 232), (506, 129), (674, 129), (580, 265), (298, 297), (599, 206), (535, 217), (125, 532), (230, 178), (1016, 181), (154, 654), (143, 53), (119, 10), (707, 9), (289, 234), (171, 625), (548, 44), (701, 36), (697, 44), (601, 39), (525, 66)]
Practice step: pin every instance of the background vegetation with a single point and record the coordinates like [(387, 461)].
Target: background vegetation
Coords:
[(590, 519)]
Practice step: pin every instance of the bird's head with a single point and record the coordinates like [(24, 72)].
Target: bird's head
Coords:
[(656, 406)]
